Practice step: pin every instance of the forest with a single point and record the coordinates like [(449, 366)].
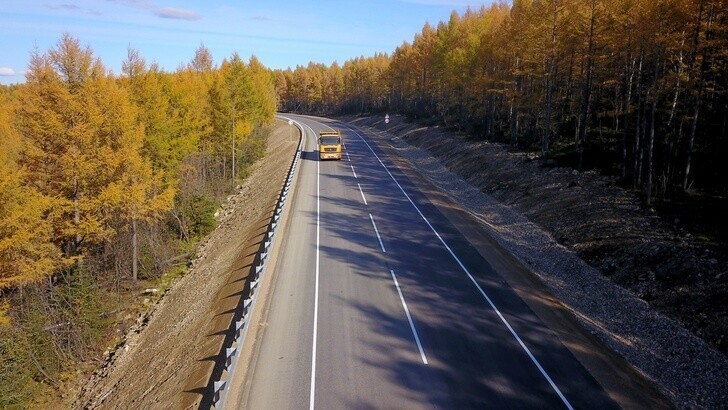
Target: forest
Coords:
[(635, 89), (106, 183)]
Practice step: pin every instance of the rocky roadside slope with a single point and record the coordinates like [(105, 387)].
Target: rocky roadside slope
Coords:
[(632, 280), (165, 361)]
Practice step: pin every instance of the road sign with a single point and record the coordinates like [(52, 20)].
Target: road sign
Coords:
[(386, 119)]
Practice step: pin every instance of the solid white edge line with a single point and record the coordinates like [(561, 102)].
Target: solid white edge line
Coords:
[(472, 279), (316, 289), (362, 194), (377, 232), (409, 318), (354, 172)]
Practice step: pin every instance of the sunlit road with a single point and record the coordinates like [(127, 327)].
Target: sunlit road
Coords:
[(378, 301)]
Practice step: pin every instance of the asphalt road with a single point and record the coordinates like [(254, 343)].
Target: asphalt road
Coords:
[(378, 301)]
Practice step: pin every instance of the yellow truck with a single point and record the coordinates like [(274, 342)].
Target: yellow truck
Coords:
[(329, 145)]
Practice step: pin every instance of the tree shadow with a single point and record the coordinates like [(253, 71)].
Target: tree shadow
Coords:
[(310, 155)]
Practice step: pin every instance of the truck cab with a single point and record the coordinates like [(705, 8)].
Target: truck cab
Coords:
[(329, 145)]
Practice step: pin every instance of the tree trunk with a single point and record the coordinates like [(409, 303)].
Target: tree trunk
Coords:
[(637, 154), (691, 143), (550, 87), (76, 219), (679, 77), (134, 251), (651, 141), (625, 109), (586, 93), (233, 155), (641, 143), (698, 97)]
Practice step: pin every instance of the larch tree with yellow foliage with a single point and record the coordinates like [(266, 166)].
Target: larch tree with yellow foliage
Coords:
[(26, 254), (83, 149)]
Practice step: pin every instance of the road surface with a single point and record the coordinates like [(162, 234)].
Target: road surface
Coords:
[(377, 300)]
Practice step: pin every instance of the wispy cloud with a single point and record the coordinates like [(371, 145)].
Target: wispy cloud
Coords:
[(137, 4), (452, 3), (163, 12), (177, 14), (261, 18), (72, 8), (7, 72)]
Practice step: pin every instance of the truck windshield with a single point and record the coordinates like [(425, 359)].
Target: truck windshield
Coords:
[(330, 141)]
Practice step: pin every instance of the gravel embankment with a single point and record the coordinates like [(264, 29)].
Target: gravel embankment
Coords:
[(684, 367)]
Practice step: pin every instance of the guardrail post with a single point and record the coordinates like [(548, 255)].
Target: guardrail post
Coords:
[(219, 387), (246, 304), (229, 352), (239, 327)]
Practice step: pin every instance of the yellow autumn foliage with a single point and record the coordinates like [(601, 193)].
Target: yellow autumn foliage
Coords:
[(26, 253)]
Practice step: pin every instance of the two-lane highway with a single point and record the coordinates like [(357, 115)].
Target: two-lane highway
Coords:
[(378, 301)]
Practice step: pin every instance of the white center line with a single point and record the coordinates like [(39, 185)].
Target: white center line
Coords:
[(352, 170), (409, 318), (347, 153), (472, 279), (362, 194), (377, 232)]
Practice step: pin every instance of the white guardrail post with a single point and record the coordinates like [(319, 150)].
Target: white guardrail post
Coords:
[(232, 352)]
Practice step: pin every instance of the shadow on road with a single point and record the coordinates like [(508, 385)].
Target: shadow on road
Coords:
[(310, 155)]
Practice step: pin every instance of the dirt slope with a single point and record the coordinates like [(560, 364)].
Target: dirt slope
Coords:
[(168, 364)]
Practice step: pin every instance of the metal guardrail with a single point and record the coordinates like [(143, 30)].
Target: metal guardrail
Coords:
[(232, 352)]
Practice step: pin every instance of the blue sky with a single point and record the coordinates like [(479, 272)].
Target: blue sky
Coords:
[(281, 34)]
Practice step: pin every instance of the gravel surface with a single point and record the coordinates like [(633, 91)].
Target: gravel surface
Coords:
[(684, 367)]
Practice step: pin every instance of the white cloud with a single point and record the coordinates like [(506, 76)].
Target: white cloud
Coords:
[(177, 14), (7, 71), (70, 7), (138, 4), (452, 3), (163, 12)]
